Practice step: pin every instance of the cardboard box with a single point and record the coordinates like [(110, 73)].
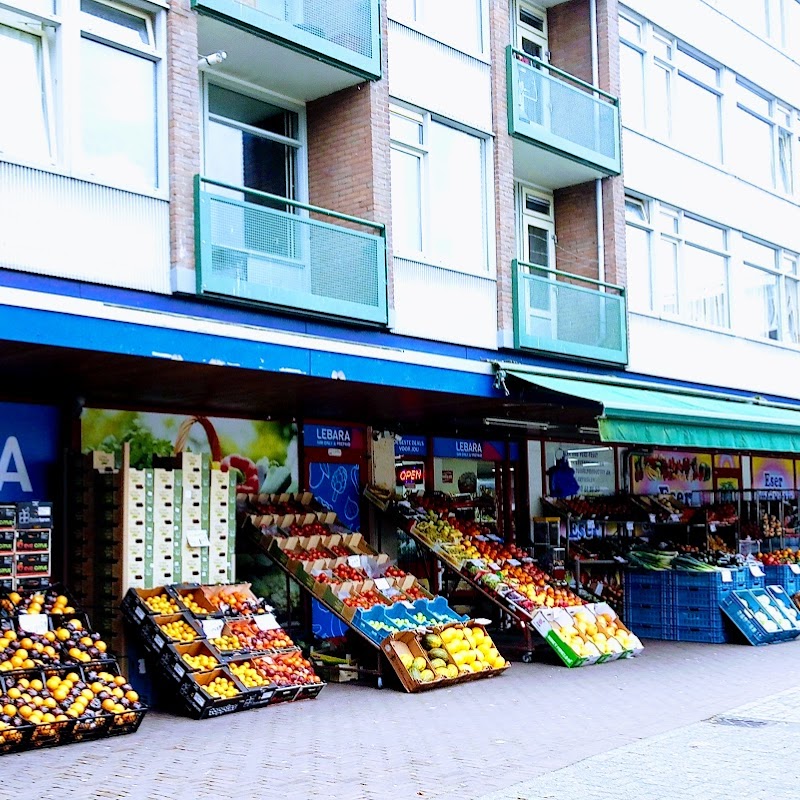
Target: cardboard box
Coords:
[(8, 517), (32, 584), (7, 537), (134, 607), (30, 564), (7, 566), (172, 662), (544, 622), (32, 540), (406, 643), (155, 638), (34, 514)]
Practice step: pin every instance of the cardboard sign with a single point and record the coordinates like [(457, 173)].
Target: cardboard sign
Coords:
[(212, 627), (33, 623), (266, 622), (197, 538), (756, 571)]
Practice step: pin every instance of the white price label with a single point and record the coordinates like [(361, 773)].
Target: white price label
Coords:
[(727, 576), (795, 568), (629, 526), (212, 627), (33, 623), (514, 562), (598, 590), (712, 527), (756, 571), (266, 622), (197, 538), (354, 561), (381, 584)]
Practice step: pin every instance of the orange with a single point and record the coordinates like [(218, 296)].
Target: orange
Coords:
[(132, 696), (25, 711), (9, 710), (37, 685), (108, 704)]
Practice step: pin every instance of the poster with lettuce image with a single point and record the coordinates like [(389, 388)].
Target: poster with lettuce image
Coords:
[(262, 454)]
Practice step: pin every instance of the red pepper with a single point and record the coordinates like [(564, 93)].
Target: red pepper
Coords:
[(247, 478)]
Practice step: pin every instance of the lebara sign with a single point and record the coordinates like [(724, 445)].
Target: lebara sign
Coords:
[(469, 448), (28, 451), (327, 436)]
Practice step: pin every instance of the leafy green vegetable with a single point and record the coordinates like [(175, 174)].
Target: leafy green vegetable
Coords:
[(143, 446)]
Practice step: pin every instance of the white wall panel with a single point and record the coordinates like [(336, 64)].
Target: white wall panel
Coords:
[(433, 76), (667, 175), (670, 350), (443, 305), (67, 228)]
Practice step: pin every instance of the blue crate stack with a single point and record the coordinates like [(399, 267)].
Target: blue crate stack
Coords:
[(648, 604), (782, 575)]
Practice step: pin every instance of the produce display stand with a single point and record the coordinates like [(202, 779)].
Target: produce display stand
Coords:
[(218, 649), (58, 682), (386, 609)]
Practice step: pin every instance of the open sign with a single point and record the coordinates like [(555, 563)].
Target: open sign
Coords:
[(410, 475)]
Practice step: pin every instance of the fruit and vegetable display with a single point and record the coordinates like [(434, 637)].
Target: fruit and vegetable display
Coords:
[(779, 557), (59, 683), (506, 571), (215, 660), (447, 655), (763, 616)]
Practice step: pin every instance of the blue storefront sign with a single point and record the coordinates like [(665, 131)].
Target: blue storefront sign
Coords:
[(29, 444), (411, 446), (469, 448), (328, 436)]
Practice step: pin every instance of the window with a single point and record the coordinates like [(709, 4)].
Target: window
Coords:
[(24, 89), (538, 228), (688, 268), (98, 117), (251, 143), (677, 264), (459, 23), (439, 208), (676, 96), (531, 30)]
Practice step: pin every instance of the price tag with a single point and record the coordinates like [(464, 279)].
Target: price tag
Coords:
[(381, 584), (407, 604), (139, 613), (712, 527), (494, 566), (197, 538), (266, 622), (795, 568), (33, 623), (212, 627), (727, 576), (629, 526), (513, 562), (598, 590), (652, 518), (482, 621), (354, 561), (756, 571)]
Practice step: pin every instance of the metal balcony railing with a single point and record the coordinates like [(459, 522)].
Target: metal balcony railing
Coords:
[(561, 113), (345, 33), (266, 249), (569, 315)]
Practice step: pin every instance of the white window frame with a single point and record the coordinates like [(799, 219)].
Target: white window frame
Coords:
[(542, 38), (422, 150), (783, 118), (258, 93), (545, 221), (62, 91)]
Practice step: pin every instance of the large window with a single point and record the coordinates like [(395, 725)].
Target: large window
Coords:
[(690, 269), (94, 111), (675, 95), (439, 202), (463, 24)]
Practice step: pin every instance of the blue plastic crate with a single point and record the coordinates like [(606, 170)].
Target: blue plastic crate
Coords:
[(694, 589), (438, 610), (782, 575), (648, 614), (650, 630), (648, 587), (784, 601), (702, 634), (775, 609), (704, 617), (754, 582), (738, 610)]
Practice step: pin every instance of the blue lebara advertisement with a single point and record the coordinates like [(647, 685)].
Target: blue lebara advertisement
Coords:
[(29, 444)]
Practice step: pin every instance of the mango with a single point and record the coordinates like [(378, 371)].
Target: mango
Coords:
[(420, 663)]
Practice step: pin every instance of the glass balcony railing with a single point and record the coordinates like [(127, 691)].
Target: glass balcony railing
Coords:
[(345, 33), (264, 249), (551, 109), (568, 315)]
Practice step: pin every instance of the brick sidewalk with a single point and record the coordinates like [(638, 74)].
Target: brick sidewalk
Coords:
[(358, 743)]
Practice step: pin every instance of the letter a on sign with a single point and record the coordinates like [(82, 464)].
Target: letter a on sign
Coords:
[(12, 466)]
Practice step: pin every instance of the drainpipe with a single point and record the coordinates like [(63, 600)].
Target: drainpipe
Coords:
[(598, 184)]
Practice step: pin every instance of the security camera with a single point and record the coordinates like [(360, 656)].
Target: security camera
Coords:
[(213, 59)]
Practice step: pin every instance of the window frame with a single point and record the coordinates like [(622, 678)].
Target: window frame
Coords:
[(62, 69), (546, 222), (423, 151), (300, 144)]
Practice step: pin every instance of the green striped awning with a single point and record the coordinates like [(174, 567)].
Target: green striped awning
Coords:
[(666, 415)]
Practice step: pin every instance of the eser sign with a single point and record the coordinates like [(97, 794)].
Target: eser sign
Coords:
[(29, 442)]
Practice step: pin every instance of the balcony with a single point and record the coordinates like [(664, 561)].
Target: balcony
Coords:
[(566, 131), (304, 49), (567, 315), (263, 249)]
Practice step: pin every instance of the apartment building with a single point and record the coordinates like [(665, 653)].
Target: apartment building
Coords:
[(409, 215)]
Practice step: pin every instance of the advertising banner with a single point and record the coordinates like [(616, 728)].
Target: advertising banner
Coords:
[(29, 446), (262, 453), (469, 448), (671, 472)]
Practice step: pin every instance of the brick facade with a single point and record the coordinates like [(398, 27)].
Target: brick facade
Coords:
[(349, 158), (183, 97), (505, 213), (576, 229)]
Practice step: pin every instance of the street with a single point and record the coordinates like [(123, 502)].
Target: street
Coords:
[(682, 720)]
